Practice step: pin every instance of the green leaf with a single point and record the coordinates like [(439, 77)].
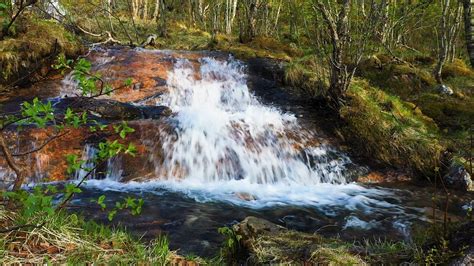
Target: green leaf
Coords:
[(112, 215)]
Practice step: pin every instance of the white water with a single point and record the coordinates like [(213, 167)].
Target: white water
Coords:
[(224, 133), (226, 143)]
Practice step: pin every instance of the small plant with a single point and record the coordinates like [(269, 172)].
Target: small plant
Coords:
[(232, 247)]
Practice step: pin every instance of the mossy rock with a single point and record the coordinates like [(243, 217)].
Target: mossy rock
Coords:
[(270, 243), (391, 130), (34, 47), (395, 76), (455, 113)]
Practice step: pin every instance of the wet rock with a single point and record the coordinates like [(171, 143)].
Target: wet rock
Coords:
[(386, 177), (266, 68), (112, 110), (458, 177), (155, 112), (137, 86), (267, 242), (245, 196), (443, 89)]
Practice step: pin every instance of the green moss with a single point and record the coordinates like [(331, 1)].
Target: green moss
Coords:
[(21, 53), (307, 74), (457, 68), (395, 77), (296, 247), (392, 130), (450, 112)]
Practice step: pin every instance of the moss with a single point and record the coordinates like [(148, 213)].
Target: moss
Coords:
[(397, 77), (392, 130), (307, 74), (296, 247), (21, 54), (457, 69), (454, 113)]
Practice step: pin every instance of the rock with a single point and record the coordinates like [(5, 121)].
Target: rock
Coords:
[(112, 110), (155, 112), (137, 86), (458, 177), (376, 177), (267, 242), (266, 68), (443, 89), (245, 196)]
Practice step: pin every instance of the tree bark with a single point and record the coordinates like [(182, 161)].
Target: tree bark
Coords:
[(442, 42), (339, 31), (469, 28)]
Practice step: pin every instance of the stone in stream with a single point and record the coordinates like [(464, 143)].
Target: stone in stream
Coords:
[(267, 242)]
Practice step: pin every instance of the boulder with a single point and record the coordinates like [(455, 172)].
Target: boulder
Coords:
[(269, 243), (443, 89), (458, 177)]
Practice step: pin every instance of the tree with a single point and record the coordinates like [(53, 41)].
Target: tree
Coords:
[(448, 22), (469, 28), (11, 10)]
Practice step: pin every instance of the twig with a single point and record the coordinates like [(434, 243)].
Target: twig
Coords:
[(14, 228), (49, 140)]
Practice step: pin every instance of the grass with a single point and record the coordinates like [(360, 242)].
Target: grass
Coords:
[(391, 130), (295, 247), (68, 238)]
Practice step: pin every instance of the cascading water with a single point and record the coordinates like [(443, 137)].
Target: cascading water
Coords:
[(224, 133), (224, 143)]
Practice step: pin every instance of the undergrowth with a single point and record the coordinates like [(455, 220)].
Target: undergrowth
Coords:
[(62, 237), (35, 40), (392, 130)]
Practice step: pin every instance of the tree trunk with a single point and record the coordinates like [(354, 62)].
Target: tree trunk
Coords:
[(442, 42), (469, 28), (339, 32)]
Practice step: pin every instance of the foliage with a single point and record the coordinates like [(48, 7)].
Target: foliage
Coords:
[(134, 205), (36, 43), (66, 238), (231, 248)]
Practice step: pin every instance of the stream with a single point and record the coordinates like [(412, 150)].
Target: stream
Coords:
[(228, 151)]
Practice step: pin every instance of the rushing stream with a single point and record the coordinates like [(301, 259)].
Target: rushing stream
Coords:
[(223, 155)]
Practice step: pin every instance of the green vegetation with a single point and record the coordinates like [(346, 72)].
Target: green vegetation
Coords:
[(60, 238), (293, 247), (393, 131), (35, 44), (377, 66)]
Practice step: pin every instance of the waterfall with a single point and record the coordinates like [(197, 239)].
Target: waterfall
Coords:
[(222, 132)]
